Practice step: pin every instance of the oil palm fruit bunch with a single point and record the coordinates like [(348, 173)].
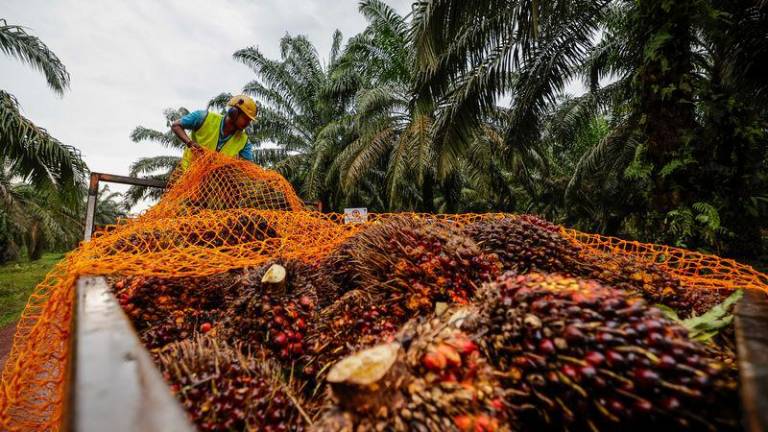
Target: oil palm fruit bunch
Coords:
[(445, 358), (578, 355), (418, 262), (355, 321), (178, 325), (655, 283), (300, 279), (151, 299), (147, 299), (272, 312), (525, 243), (223, 389), (434, 379)]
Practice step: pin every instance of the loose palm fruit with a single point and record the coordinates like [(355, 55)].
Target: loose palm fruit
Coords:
[(578, 355)]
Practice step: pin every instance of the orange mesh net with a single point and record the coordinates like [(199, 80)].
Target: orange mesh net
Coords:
[(225, 214)]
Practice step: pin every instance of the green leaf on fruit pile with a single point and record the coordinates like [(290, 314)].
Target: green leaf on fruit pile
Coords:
[(669, 312), (708, 324)]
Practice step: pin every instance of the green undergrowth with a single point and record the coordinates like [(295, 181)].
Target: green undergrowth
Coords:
[(18, 280)]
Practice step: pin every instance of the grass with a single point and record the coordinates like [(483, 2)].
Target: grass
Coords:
[(18, 280)]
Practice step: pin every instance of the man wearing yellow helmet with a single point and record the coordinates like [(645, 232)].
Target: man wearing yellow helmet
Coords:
[(221, 133)]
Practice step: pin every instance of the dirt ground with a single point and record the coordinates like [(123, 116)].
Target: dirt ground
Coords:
[(6, 339)]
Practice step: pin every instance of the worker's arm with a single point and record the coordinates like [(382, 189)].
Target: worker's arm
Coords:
[(179, 131), (191, 121)]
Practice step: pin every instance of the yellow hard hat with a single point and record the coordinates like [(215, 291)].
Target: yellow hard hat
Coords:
[(244, 103)]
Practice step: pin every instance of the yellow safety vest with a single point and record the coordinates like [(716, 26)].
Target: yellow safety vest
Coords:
[(208, 137)]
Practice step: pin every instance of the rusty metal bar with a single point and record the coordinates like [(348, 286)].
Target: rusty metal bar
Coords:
[(751, 320), (90, 209), (115, 385), (134, 181), (93, 191)]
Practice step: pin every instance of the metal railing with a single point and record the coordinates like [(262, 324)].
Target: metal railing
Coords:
[(93, 192)]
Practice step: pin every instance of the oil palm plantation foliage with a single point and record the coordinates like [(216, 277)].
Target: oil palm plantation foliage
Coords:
[(677, 82), (41, 179), (303, 108), (645, 119), (35, 220)]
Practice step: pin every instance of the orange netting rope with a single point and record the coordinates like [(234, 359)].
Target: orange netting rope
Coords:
[(225, 214)]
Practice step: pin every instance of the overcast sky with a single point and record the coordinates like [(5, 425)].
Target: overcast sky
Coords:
[(129, 60)]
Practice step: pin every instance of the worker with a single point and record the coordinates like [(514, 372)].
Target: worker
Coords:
[(221, 133)]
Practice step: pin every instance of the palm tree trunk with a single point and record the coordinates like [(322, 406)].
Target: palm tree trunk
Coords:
[(665, 88), (35, 242), (428, 194)]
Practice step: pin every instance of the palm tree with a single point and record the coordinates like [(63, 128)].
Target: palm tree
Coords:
[(682, 92), (468, 54), (109, 207), (34, 218), (28, 150), (303, 109), (392, 125)]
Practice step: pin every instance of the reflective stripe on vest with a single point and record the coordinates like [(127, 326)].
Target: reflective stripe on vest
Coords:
[(208, 137)]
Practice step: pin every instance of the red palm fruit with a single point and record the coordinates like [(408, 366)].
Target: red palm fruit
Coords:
[(434, 361), (280, 339), (452, 356), (463, 422)]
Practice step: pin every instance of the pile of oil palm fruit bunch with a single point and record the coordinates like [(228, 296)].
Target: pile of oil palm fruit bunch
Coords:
[(426, 325)]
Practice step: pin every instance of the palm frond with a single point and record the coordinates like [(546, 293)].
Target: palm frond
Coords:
[(135, 194), (150, 165), (335, 48), (219, 102), (269, 157), (167, 139), (35, 155), (16, 42)]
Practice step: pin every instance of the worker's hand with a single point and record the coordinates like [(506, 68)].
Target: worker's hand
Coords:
[(194, 146)]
